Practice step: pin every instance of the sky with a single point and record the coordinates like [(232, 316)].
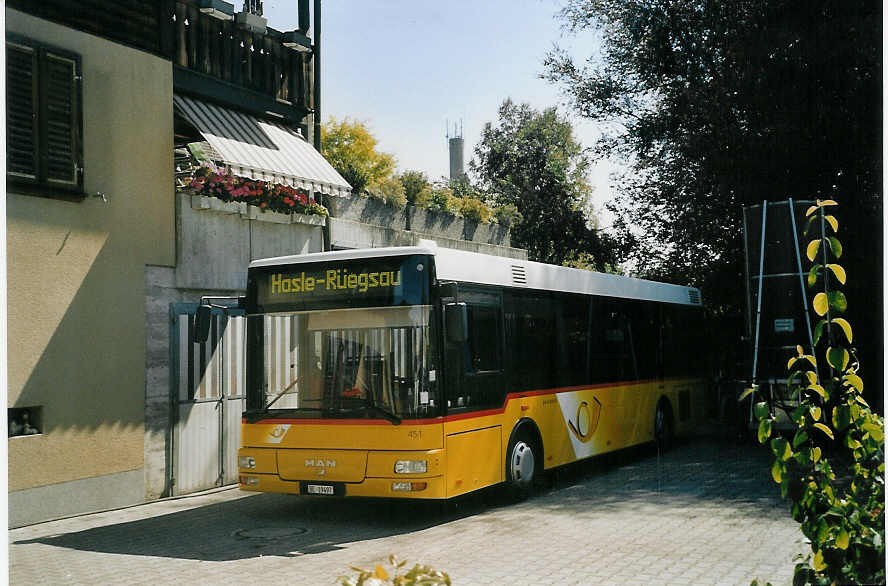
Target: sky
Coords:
[(406, 67)]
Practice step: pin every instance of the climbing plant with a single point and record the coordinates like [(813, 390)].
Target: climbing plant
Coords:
[(832, 466)]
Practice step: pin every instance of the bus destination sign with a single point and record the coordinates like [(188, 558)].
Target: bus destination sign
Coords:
[(331, 280), (349, 283)]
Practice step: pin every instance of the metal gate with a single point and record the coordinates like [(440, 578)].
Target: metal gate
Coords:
[(207, 397)]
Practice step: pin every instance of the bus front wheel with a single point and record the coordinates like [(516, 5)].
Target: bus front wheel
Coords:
[(521, 464)]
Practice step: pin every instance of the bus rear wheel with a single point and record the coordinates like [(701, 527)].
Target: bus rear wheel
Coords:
[(521, 465), (663, 426)]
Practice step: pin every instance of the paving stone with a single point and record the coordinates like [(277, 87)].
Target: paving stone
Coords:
[(687, 518)]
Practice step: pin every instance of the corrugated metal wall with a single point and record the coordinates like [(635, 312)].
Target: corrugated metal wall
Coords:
[(209, 395)]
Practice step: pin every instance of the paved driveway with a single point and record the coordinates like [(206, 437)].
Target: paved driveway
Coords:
[(705, 513)]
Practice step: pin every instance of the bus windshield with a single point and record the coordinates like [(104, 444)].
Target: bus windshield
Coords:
[(343, 353)]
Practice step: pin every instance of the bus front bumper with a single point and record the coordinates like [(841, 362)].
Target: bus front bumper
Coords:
[(415, 488)]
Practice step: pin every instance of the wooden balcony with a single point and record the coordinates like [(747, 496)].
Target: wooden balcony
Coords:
[(206, 49), (213, 58)]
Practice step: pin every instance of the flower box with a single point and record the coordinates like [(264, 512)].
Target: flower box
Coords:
[(308, 220), (203, 202), (257, 213)]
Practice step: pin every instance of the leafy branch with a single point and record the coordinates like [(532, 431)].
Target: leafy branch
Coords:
[(832, 468)]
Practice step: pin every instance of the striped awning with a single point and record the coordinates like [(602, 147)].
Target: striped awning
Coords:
[(260, 149)]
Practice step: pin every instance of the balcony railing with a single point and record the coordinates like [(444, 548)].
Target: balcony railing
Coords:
[(225, 50), (213, 57)]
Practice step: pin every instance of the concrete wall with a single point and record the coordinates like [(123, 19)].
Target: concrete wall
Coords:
[(440, 224), (215, 241), (362, 222), (76, 287)]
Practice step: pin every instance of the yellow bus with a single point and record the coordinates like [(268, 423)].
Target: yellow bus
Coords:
[(425, 372)]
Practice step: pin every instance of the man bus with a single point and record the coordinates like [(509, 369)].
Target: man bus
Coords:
[(425, 372)]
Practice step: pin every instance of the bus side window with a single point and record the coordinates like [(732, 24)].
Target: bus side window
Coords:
[(536, 341), (483, 352), (612, 357)]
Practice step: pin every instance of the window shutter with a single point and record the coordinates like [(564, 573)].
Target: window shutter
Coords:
[(21, 112), (60, 119)]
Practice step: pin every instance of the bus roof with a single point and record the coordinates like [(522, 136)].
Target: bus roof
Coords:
[(485, 269)]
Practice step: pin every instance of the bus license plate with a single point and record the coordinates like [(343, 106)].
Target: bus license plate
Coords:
[(319, 489)]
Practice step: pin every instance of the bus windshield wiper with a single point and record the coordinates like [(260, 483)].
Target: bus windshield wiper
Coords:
[(371, 406), (281, 394)]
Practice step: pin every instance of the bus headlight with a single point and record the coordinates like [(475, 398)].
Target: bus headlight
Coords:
[(411, 467), (246, 462)]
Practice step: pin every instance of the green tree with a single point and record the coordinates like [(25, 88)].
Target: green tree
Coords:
[(414, 182), (351, 149), (532, 161), (718, 104)]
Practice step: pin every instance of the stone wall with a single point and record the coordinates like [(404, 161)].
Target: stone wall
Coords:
[(433, 223)]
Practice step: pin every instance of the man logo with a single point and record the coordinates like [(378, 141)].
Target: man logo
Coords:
[(320, 465), (586, 420)]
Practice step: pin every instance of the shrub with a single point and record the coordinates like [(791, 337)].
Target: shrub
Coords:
[(414, 182), (423, 199), (415, 576), (507, 215), (474, 209), (441, 198), (390, 190), (833, 467), (354, 176)]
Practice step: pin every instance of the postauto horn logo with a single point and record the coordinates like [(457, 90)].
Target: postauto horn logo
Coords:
[(585, 423)]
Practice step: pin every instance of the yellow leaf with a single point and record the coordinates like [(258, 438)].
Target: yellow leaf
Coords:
[(818, 389), (813, 247), (843, 539), (815, 413), (821, 303), (855, 381), (838, 358), (839, 272), (746, 393), (825, 430), (833, 222), (819, 564), (846, 327), (812, 377), (827, 202), (815, 455), (800, 350), (790, 362), (810, 211), (777, 471), (380, 573)]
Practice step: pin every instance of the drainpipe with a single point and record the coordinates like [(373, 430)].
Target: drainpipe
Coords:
[(317, 75), (316, 57)]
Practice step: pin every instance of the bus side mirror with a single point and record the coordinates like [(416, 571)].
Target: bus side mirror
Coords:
[(204, 316), (456, 322), (202, 323)]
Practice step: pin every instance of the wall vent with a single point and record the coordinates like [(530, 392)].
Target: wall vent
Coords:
[(519, 275), (694, 296)]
